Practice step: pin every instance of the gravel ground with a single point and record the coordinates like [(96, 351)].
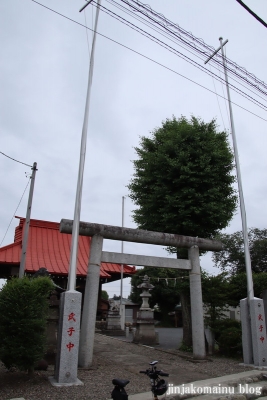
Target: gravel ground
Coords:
[(108, 364)]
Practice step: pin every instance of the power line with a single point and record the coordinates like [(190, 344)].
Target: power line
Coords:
[(195, 43), (146, 57), (15, 160), (172, 37), (184, 57), (252, 13), (15, 210)]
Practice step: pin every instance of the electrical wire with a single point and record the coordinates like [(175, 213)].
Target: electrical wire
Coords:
[(171, 38), (204, 49), (15, 160), (252, 13), (147, 58), (15, 210), (176, 52)]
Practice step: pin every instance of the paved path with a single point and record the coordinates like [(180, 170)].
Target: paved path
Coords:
[(169, 338), (115, 358)]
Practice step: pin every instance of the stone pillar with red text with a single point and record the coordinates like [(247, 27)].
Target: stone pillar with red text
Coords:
[(68, 340), (258, 331)]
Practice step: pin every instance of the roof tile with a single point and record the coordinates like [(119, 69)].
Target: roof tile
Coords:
[(49, 248)]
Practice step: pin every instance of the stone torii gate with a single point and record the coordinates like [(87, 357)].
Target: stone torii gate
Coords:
[(98, 232)]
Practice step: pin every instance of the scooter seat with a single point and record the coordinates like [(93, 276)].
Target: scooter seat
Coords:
[(120, 382)]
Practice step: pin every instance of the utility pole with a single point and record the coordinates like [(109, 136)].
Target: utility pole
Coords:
[(253, 351), (70, 301), (27, 224)]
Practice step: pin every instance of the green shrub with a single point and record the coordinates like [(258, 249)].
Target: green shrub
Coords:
[(228, 335), (221, 324), (23, 317), (184, 347), (230, 342)]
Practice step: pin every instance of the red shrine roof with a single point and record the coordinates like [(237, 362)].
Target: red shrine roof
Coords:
[(49, 248)]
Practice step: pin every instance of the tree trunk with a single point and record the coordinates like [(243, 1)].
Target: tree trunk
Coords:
[(187, 325)]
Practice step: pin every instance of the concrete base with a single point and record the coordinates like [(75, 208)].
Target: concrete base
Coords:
[(146, 339), (262, 368), (113, 332), (145, 328), (113, 324), (53, 382), (113, 320)]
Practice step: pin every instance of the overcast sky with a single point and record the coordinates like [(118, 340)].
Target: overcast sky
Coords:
[(43, 81)]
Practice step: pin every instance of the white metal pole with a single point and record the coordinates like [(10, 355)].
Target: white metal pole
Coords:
[(240, 189), (122, 224), (77, 209)]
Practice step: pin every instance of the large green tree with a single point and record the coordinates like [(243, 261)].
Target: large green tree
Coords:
[(183, 183), (232, 257)]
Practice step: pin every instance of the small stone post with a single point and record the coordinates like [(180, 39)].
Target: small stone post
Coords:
[(199, 351), (68, 340), (90, 303)]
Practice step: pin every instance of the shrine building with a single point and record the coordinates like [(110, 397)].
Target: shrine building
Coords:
[(50, 249)]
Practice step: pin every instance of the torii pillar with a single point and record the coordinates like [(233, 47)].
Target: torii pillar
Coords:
[(100, 231)]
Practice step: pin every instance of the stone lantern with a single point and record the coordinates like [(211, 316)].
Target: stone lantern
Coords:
[(145, 327), (145, 286)]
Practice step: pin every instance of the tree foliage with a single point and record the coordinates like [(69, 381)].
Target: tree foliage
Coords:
[(104, 295), (232, 257), (170, 283), (23, 310), (182, 182), (237, 286), (215, 297)]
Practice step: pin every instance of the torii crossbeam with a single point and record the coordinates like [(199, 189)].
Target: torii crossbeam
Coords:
[(98, 232)]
